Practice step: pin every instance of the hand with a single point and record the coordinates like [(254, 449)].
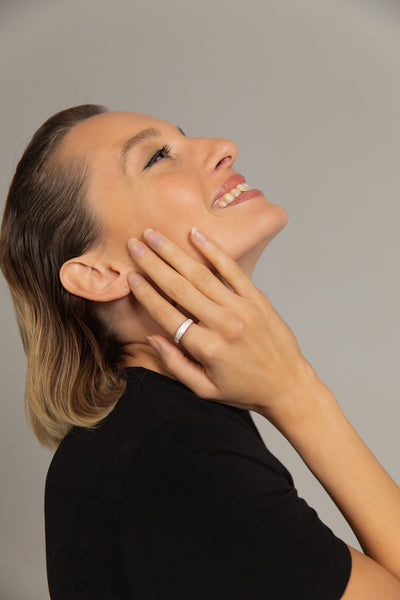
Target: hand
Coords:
[(246, 354)]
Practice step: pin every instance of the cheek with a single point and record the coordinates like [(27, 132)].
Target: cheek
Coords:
[(178, 191), (174, 205)]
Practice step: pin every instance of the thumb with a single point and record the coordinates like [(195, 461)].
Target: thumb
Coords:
[(188, 372)]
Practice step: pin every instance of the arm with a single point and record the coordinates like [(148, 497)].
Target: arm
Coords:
[(365, 494), (363, 491), (251, 359)]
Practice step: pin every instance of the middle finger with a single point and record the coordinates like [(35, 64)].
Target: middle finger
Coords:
[(192, 269), (176, 286)]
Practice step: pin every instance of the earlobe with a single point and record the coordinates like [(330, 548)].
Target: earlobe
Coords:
[(85, 277)]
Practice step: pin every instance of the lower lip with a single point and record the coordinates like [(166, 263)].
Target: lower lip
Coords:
[(243, 197)]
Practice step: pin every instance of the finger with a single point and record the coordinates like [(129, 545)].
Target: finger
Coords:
[(191, 374), (195, 338), (225, 265), (176, 286), (194, 271)]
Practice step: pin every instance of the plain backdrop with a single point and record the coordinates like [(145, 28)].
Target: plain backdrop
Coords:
[(310, 91)]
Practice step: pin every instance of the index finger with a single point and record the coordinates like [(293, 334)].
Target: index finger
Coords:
[(198, 274), (194, 272), (230, 270)]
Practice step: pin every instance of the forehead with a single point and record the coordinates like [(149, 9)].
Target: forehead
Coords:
[(109, 131)]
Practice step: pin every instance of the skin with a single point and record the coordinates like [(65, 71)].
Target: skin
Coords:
[(246, 354), (172, 196)]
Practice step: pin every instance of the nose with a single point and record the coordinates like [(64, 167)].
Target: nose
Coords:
[(219, 154)]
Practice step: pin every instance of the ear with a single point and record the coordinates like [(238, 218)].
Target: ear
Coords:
[(93, 279)]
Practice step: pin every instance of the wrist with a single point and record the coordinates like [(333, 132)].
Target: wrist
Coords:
[(306, 400)]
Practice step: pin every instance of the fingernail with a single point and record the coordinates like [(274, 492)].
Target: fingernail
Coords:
[(155, 239), (200, 237), (153, 343), (136, 247), (134, 279)]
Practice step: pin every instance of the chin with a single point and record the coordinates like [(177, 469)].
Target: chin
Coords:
[(267, 228)]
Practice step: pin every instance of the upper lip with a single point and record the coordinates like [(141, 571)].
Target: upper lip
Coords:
[(227, 186)]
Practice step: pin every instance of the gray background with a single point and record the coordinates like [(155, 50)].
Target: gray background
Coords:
[(310, 91)]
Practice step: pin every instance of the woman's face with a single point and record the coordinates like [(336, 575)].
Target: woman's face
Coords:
[(135, 185)]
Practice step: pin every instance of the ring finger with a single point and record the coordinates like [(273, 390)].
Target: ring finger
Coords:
[(165, 314)]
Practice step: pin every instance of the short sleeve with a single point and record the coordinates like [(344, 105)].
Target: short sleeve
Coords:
[(208, 512)]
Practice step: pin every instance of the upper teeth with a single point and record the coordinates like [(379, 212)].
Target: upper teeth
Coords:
[(230, 196)]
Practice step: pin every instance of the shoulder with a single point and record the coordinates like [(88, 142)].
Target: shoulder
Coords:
[(210, 499), (154, 412)]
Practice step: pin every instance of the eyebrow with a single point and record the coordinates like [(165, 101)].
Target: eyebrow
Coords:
[(137, 139)]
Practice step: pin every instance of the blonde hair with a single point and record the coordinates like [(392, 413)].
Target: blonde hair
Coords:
[(73, 372)]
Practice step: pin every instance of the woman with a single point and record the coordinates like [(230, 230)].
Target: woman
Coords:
[(143, 361)]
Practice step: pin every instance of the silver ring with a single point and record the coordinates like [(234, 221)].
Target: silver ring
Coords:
[(182, 329)]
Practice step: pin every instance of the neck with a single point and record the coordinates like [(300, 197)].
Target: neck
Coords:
[(139, 354)]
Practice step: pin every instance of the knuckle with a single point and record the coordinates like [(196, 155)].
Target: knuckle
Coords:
[(213, 349), (250, 310), (178, 288), (234, 328), (201, 277)]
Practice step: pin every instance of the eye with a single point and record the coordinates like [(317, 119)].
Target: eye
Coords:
[(161, 153)]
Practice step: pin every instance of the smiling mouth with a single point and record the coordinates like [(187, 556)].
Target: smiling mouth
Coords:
[(230, 196)]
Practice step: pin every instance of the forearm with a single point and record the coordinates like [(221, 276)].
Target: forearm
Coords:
[(365, 494), (246, 356)]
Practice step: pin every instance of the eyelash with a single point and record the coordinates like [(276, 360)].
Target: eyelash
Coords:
[(163, 152)]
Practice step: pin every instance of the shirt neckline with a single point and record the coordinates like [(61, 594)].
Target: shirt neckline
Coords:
[(139, 372)]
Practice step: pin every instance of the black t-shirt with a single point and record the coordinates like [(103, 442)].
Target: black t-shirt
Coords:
[(174, 497)]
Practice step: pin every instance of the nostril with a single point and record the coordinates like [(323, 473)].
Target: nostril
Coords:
[(223, 160)]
